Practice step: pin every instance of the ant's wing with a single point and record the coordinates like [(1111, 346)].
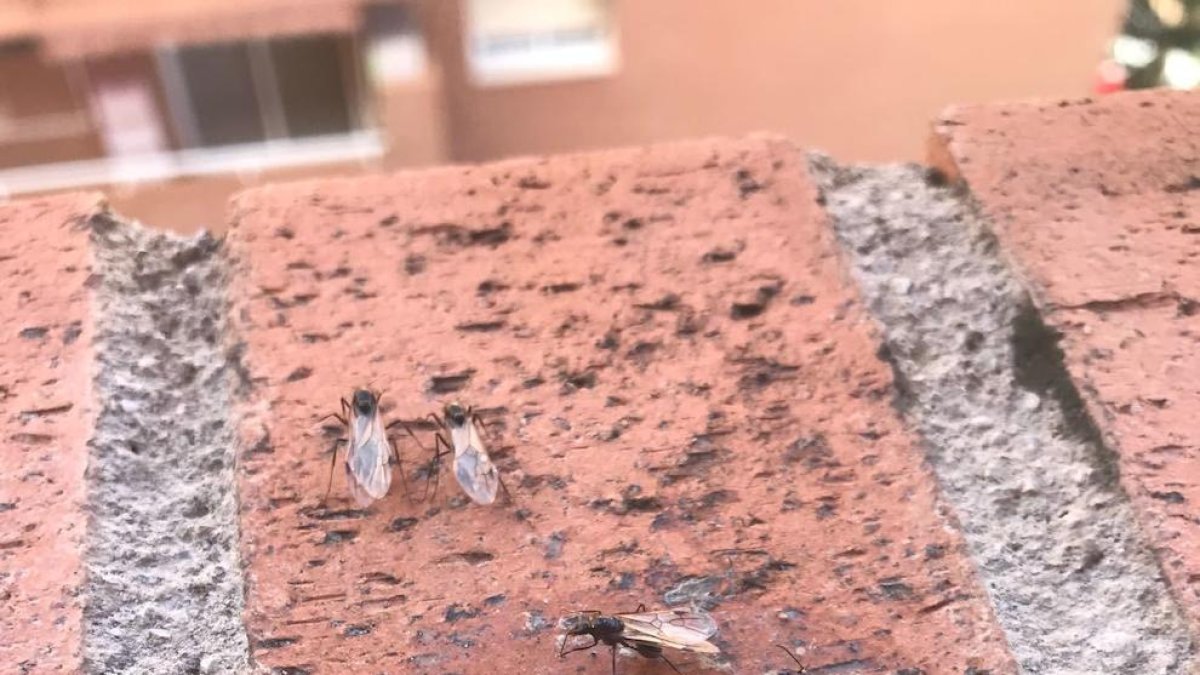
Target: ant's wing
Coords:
[(676, 628), (477, 476), (368, 468)]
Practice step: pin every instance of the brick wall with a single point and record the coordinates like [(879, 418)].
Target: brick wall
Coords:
[(895, 419)]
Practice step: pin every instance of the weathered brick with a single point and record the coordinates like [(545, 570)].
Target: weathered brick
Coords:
[(1098, 205), (45, 418), (688, 397)]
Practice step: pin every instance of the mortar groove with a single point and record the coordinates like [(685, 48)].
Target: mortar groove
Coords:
[(1052, 535), (164, 590)]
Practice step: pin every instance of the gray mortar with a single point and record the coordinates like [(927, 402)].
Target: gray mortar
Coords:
[(164, 582), (1053, 537)]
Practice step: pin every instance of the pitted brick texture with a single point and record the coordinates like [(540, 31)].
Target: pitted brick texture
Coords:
[(688, 400), (45, 416), (1098, 204)]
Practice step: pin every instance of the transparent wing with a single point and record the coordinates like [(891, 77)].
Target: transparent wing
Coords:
[(477, 476), (367, 467), (473, 468), (684, 629)]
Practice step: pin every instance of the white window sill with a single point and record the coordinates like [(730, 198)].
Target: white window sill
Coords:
[(234, 159), (544, 63)]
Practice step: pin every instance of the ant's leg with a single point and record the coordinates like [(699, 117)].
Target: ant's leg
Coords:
[(400, 465), (435, 464), (332, 463), (562, 653), (664, 658)]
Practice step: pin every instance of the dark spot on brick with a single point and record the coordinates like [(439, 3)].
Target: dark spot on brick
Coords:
[(34, 332), (718, 255), (633, 224), (666, 303), (632, 500), (689, 322), (1172, 497), (623, 582), (746, 184), (489, 286), (310, 338), (414, 263), (318, 513), (494, 600), (642, 353), (285, 233), (7, 506), (402, 524), (448, 384), (462, 641), (578, 380), (554, 545), (357, 630), (746, 310), (72, 332), (290, 670), (532, 183), (11, 544), (339, 536), (480, 326), (611, 340), (301, 373), (895, 588), (801, 299), (566, 287), (935, 551), (32, 439), (532, 382), (813, 450), (1192, 183), (472, 557), (493, 236), (456, 612), (389, 221), (751, 307), (760, 373), (275, 643)]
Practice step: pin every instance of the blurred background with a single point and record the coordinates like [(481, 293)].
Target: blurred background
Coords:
[(170, 106)]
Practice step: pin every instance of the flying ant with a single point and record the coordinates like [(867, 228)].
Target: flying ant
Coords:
[(369, 449), (473, 467), (647, 633)]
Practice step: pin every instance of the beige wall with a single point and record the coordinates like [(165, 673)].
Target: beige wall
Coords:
[(858, 78)]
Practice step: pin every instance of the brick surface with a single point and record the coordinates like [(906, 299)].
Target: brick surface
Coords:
[(45, 417), (1098, 205), (687, 398)]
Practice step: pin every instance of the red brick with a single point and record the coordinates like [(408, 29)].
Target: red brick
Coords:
[(371, 280), (45, 418), (1098, 205)]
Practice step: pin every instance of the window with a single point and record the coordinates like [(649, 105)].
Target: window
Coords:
[(515, 41), (249, 92)]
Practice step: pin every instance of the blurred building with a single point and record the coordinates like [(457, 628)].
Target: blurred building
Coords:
[(174, 104)]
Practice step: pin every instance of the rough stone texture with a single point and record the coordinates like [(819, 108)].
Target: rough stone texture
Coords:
[(164, 591), (1050, 530), (45, 413), (1097, 204), (689, 407)]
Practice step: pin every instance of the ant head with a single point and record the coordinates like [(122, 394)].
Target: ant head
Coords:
[(456, 415), (364, 402), (578, 624)]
